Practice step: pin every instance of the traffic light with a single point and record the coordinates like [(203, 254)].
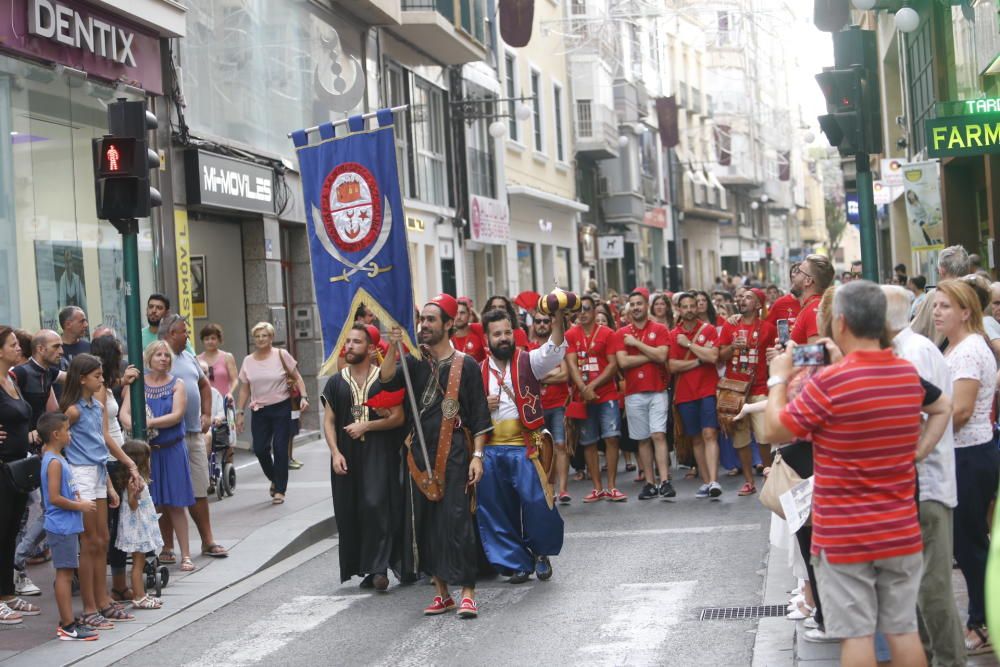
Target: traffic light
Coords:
[(842, 125), (122, 160), (853, 122)]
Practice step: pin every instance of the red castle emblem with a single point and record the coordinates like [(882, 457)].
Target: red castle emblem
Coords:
[(351, 206)]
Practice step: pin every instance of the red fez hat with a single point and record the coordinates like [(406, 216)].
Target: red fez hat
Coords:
[(446, 303), (761, 297), (641, 290), (373, 334), (386, 399)]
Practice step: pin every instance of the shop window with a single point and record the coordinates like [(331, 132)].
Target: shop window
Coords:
[(54, 251), (525, 266)]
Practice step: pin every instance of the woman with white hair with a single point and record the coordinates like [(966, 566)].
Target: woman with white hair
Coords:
[(268, 378)]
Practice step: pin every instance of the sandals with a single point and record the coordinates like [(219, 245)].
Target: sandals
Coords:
[(977, 640), (115, 612), (167, 558), (279, 499), (691, 473), (629, 467), (748, 489), (96, 621), (187, 565), (121, 595), (147, 602), (215, 551)]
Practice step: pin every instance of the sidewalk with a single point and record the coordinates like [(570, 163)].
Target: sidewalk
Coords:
[(256, 533), (780, 642)]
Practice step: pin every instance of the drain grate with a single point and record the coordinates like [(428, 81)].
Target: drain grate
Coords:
[(738, 613)]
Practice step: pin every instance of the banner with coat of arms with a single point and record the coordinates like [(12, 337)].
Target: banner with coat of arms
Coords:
[(357, 235)]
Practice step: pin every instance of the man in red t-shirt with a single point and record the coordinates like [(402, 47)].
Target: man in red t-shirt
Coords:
[(693, 356), (810, 279), (743, 348), (555, 395), (468, 336), (641, 349), (863, 416), (593, 370)]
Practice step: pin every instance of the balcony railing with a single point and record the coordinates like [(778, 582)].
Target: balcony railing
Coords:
[(595, 129), (445, 8)]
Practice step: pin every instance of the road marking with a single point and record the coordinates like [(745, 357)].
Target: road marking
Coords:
[(273, 632), (639, 623), (690, 530), (432, 638)]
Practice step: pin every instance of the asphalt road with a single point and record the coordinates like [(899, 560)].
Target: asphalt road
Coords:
[(627, 590)]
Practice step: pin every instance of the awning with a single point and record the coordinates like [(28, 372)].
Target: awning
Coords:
[(547, 198)]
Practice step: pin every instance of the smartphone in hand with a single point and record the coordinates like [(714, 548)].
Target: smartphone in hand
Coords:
[(811, 355), (783, 332)]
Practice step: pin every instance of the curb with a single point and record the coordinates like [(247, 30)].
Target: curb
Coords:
[(260, 550)]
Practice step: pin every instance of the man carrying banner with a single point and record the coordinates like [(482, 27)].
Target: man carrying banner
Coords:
[(364, 447), (518, 522), (455, 421)]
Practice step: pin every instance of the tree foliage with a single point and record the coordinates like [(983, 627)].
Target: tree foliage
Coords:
[(836, 223)]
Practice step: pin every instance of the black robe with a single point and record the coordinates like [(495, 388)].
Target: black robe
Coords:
[(368, 500), (440, 537)]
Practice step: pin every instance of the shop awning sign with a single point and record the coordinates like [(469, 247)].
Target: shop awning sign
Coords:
[(959, 136)]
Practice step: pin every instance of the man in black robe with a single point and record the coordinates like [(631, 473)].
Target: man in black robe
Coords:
[(441, 535), (364, 446)]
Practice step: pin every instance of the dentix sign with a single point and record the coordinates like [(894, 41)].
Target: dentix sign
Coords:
[(56, 21)]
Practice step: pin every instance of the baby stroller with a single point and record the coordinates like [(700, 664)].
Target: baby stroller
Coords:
[(157, 574), (221, 471)]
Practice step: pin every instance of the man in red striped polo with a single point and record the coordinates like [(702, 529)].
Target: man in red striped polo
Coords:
[(863, 415)]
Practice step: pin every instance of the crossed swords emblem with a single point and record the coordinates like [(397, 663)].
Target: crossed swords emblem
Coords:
[(367, 264)]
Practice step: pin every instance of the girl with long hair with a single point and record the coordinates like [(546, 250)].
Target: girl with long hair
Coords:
[(138, 530), (83, 400)]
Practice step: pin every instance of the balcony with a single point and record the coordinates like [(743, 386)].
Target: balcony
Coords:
[(450, 32), (595, 130), (373, 12)]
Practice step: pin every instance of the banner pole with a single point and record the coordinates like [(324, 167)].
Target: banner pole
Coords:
[(416, 410), (364, 116)]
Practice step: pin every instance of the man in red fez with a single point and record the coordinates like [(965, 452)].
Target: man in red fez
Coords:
[(364, 447), (440, 488)]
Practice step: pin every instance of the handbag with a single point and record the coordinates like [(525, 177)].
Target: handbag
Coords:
[(293, 386), (25, 475), (779, 480), (731, 395)]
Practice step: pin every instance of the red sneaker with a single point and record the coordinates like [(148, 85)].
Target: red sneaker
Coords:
[(594, 496), (468, 608), (440, 606), (616, 496)]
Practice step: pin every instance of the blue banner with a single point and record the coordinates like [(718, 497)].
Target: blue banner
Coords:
[(357, 234)]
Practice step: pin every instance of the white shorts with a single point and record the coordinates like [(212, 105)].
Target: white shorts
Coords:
[(91, 482), (647, 414)]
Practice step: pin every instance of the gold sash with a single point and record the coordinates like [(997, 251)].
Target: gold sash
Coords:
[(510, 433)]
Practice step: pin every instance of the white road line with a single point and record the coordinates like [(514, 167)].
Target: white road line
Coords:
[(690, 530), (432, 638), (641, 617), (276, 630)]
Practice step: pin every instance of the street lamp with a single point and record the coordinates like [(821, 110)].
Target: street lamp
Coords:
[(623, 141), (523, 111), (907, 19), (498, 129)]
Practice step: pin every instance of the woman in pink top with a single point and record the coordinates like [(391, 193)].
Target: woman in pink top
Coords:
[(221, 364), (265, 388)]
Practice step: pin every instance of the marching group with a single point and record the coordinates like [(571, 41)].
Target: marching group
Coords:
[(886, 402), (103, 499)]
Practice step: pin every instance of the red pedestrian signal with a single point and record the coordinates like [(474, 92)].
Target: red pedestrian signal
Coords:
[(117, 157)]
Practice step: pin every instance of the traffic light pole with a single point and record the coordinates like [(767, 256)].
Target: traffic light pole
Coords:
[(866, 206), (129, 229)]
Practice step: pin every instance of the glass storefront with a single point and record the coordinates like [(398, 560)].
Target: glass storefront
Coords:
[(54, 251)]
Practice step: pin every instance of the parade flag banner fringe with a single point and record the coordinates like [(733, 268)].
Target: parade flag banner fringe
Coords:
[(357, 231)]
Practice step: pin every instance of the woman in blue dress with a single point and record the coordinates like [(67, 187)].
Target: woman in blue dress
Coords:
[(170, 483)]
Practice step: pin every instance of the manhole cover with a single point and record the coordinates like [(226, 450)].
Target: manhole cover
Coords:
[(736, 613)]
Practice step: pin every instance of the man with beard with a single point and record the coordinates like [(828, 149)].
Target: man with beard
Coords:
[(809, 281), (555, 395), (743, 348), (452, 410), (518, 521), (468, 336), (364, 450), (157, 307), (692, 359), (593, 370), (641, 348)]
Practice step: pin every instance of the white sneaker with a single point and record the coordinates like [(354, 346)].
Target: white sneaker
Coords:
[(817, 636), (794, 601), (24, 586), (801, 613), (811, 623), (8, 616)]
